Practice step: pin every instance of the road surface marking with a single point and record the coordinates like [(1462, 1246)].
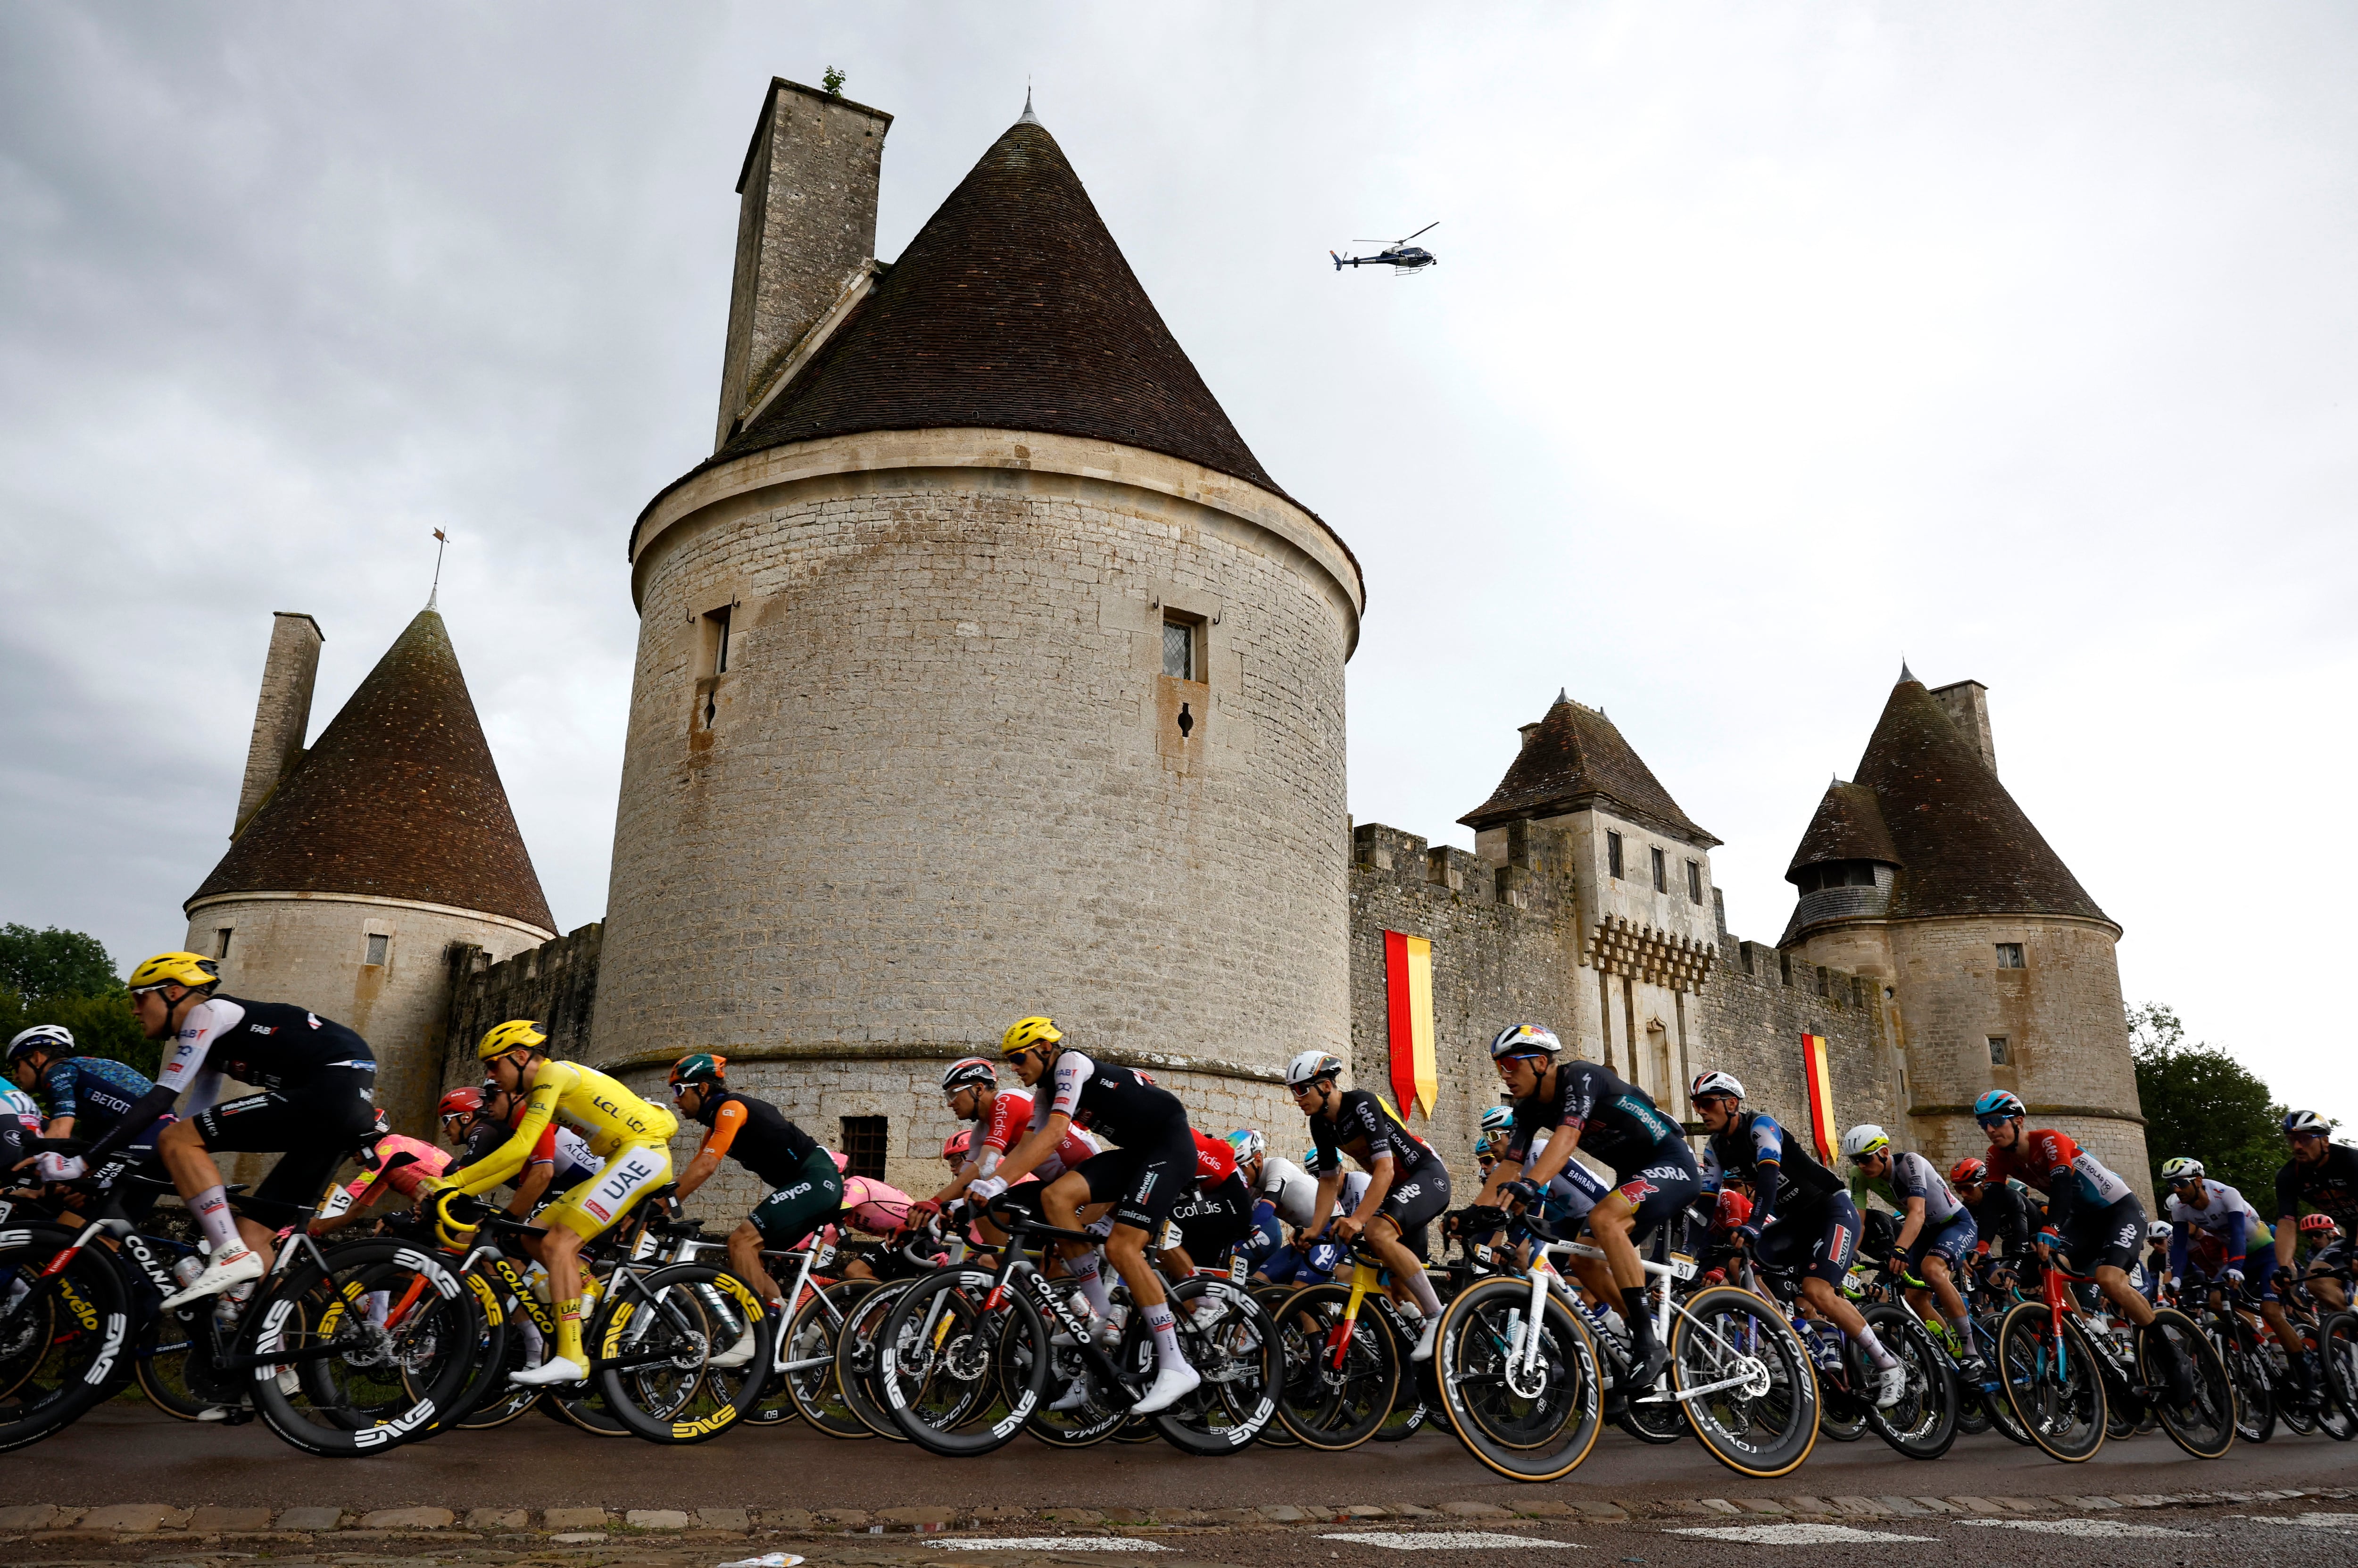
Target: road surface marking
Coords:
[(1449, 1541), (2091, 1529), (1795, 1534), (2345, 1522), (1043, 1543)]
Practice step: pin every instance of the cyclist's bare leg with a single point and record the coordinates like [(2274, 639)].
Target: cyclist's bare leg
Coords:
[(181, 1147), (2115, 1283), (2328, 1291), (1608, 1226), (745, 1261), (1934, 1271), (1832, 1305)]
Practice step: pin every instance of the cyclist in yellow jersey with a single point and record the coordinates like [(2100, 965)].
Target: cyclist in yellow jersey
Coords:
[(633, 1136)]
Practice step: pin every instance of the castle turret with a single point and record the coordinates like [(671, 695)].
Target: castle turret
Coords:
[(1999, 970), (983, 671), (1648, 916), (383, 844)]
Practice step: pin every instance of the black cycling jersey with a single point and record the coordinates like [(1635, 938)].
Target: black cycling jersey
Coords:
[(1754, 1140), (756, 1134), (1366, 1129), (2004, 1219), (1618, 1123), (2330, 1187), (270, 1044), (1117, 1101)]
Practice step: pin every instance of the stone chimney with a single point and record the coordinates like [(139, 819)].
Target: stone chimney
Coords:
[(805, 225), (282, 715), (1967, 702)]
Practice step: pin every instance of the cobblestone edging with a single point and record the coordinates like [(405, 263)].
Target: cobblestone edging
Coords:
[(117, 1523)]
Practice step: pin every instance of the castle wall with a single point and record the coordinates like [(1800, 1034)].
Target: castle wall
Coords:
[(1507, 940), (311, 950), (2061, 1015), (554, 984), (941, 785)]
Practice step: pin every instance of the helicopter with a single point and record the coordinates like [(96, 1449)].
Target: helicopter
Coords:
[(1400, 254)]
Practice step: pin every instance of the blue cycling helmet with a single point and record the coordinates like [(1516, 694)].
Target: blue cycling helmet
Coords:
[(1997, 1102), (1497, 1119), (1247, 1142)]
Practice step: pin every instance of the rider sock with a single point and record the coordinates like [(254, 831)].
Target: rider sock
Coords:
[(1167, 1353), (1422, 1289), (568, 1332), (1083, 1270), (1964, 1328), (211, 1209), (1874, 1346)]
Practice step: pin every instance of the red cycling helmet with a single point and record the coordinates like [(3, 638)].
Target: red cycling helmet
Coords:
[(464, 1100), (2318, 1224), (1966, 1172), (955, 1145), (1734, 1209)]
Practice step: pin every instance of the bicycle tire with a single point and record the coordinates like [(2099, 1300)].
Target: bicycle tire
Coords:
[(1320, 1406), (2337, 1358), (855, 1346), (64, 1337), (816, 1392), (1235, 1348), (678, 1311), (939, 1363), (1535, 1425), (1924, 1423), (1720, 1323), (2065, 1410), (1273, 1296), (488, 1370), (2255, 1394), (2205, 1426), (378, 1392)]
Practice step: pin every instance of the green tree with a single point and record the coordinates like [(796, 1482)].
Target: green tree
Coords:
[(66, 977), (54, 963), (833, 81), (2197, 1101)]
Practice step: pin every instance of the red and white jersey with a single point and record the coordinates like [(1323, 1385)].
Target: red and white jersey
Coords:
[(1214, 1161), (1010, 1120), (2051, 1161)]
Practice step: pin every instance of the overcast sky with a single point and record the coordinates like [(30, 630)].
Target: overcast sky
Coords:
[(1769, 342)]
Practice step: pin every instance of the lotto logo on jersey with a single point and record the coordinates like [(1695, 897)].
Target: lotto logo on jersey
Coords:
[(1408, 1192)]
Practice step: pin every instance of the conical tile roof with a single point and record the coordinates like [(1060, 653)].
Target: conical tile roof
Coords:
[(1848, 827), (1575, 755), (398, 798), (1013, 309), (1963, 844)]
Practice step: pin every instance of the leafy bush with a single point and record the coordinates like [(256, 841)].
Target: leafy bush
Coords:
[(2199, 1101)]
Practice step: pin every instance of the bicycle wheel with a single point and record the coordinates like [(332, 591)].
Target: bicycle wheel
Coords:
[(2053, 1383), (1272, 1298), (582, 1408), (2337, 1354), (488, 1363), (378, 1336), (654, 1340), (2249, 1373), (2204, 1425), (856, 1344), (938, 1363), (1338, 1380), (62, 1337), (498, 1401), (1528, 1417), (168, 1352), (1749, 1389), (1924, 1423), (1230, 1341), (810, 1375)]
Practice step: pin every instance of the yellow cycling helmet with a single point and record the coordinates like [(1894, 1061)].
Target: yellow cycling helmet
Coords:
[(1026, 1032), (190, 969), (503, 1038)]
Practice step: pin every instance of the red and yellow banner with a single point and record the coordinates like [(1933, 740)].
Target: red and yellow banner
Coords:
[(1407, 993), (1820, 1079)]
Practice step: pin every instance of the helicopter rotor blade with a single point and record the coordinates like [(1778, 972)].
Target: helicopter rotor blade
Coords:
[(1427, 230)]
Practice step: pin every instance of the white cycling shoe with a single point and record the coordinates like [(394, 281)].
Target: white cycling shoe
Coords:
[(1172, 1384), (234, 1267), (736, 1355), (1889, 1384), (555, 1369), (1424, 1351)]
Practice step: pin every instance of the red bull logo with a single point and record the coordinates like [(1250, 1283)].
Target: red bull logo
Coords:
[(1638, 1191)]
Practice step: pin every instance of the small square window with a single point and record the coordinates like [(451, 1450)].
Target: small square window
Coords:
[(1613, 854), (221, 941), (1662, 872), (377, 944), (1999, 1056), (1179, 648), (1694, 881), (2010, 955), (865, 1140)]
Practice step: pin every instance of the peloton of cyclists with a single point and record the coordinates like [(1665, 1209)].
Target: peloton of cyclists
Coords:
[(1936, 1228)]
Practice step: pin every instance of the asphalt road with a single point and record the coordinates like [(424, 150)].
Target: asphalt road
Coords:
[(130, 1452)]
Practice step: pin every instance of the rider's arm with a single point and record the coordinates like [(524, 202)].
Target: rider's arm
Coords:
[(1551, 1159), (2287, 1214), (511, 1157), (2235, 1240), (726, 1122), (1910, 1222), (536, 1181), (1033, 1152)]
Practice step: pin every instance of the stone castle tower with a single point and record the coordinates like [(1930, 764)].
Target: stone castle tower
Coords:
[(983, 671), (1997, 969), (356, 866)]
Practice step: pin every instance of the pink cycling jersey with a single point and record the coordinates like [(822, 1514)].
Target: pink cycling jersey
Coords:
[(404, 1178)]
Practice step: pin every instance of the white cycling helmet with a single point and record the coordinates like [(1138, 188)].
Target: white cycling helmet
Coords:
[(54, 1038), (1864, 1140), (2181, 1169), (1247, 1142), (1716, 1083), (2158, 1231), (1525, 1040), (1312, 1066), (1497, 1119)]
